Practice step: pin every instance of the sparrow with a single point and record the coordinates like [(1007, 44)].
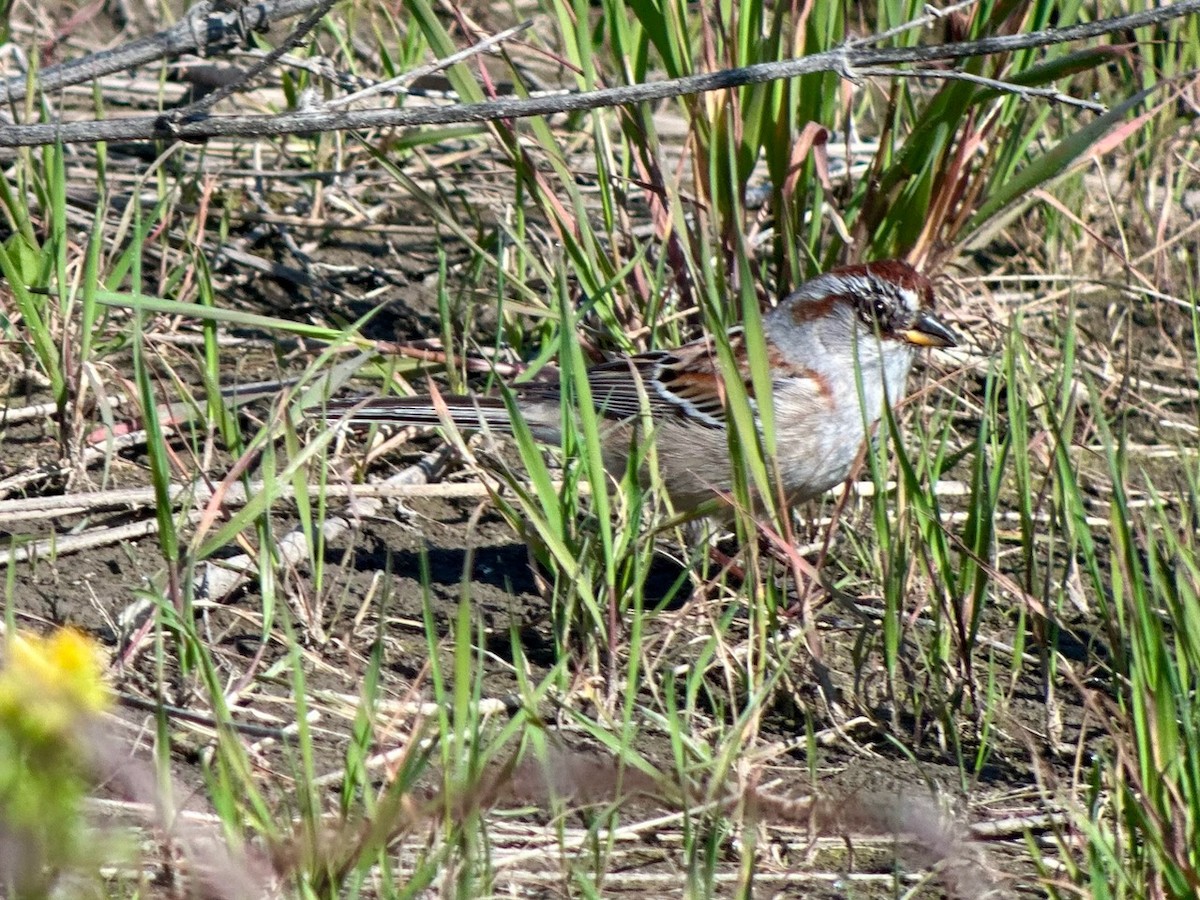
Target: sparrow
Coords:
[(859, 325)]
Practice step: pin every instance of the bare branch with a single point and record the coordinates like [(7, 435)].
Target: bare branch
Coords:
[(401, 81), (202, 32), (293, 40), (844, 59), (1007, 87), (932, 14)]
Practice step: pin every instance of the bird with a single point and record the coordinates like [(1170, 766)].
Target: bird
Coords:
[(854, 326)]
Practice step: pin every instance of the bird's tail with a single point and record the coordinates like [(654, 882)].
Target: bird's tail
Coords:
[(465, 412)]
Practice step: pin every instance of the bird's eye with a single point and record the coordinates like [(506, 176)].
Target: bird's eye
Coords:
[(875, 313)]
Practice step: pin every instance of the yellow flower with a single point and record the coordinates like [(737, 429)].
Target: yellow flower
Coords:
[(48, 683)]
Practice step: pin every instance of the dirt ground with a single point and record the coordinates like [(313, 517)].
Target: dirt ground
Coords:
[(848, 768), (853, 793)]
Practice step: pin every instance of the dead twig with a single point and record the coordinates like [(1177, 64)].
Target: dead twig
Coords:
[(398, 84), (1029, 93), (847, 59), (220, 579), (61, 545), (26, 509), (203, 31)]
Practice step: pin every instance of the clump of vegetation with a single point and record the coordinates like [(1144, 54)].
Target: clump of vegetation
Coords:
[(1000, 641), (52, 695)]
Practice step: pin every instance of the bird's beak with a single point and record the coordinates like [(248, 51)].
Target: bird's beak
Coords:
[(928, 331)]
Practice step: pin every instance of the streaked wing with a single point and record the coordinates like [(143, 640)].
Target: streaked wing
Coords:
[(682, 384)]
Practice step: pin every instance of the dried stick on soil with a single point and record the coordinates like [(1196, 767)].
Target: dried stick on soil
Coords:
[(61, 545), (17, 414), (90, 455), (218, 580), (107, 445), (27, 509), (237, 392)]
